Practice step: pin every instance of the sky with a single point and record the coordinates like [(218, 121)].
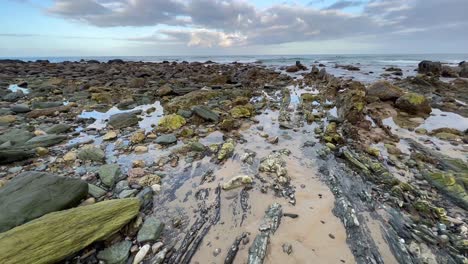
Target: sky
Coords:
[(231, 27)]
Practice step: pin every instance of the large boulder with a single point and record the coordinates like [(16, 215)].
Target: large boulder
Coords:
[(109, 174), (55, 236), (464, 69), (430, 67), (414, 103), (384, 91), (33, 194)]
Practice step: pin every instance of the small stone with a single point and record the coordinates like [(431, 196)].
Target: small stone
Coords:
[(110, 135), (138, 164), (41, 151), (216, 252), (156, 247), (331, 236), (127, 193), (156, 188), (166, 139), (141, 254), (237, 181), (70, 156), (92, 153), (273, 140), (137, 137), (95, 191), (287, 248), (116, 254), (109, 174), (141, 149), (151, 230), (88, 201)]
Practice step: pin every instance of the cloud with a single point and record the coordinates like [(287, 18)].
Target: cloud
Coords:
[(344, 4), (230, 23)]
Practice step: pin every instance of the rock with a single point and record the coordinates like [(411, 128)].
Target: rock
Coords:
[(430, 67), (109, 174), (44, 105), (110, 135), (16, 136), (95, 191), (273, 140), (58, 129), (55, 236), (156, 247), (151, 230), (274, 163), (242, 111), (123, 120), (414, 103), (287, 248), (384, 91), (33, 194), (92, 153), (13, 97), (184, 113), (159, 258), (147, 180), (464, 70), (270, 223), (166, 139), (137, 137), (141, 149), (20, 108), (9, 154), (116, 254), (164, 90), (7, 119), (449, 72), (197, 146), (237, 181), (226, 150), (205, 113), (127, 193), (70, 156), (41, 151), (229, 124), (45, 141), (171, 122), (141, 254)]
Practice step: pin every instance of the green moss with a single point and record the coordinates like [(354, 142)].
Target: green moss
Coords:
[(55, 236), (307, 97), (226, 150), (242, 111), (186, 132), (171, 122), (415, 98)]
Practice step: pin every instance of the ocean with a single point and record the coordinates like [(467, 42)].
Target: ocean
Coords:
[(371, 65)]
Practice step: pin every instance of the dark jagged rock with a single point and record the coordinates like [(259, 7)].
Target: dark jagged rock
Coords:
[(33, 194), (270, 224), (430, 67)]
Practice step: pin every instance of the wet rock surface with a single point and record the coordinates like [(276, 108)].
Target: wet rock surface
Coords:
[(210, 163)]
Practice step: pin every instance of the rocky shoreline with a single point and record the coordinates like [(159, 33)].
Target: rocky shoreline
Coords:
[(137, 162)]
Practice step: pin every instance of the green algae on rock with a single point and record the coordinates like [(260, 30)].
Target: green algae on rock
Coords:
[(414, 103), (242, 111), (226, 150), (57, 235), (171, 122)]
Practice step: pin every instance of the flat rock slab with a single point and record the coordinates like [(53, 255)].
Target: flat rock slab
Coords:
[(55, 236), (33, 194), (123, 120)]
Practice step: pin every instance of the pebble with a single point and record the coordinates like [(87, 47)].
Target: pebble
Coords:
[(156, 247), (216, 252), (141, 254), (287, 248)]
